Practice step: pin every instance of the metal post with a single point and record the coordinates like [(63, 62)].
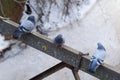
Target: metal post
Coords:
[(76, 75)]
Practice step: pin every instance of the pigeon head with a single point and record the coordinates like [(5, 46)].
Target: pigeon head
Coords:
[(59, 39), (32, 19), (100, 46)]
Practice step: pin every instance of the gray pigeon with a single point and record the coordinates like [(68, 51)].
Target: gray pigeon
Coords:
[(97, 58), (59, 41)]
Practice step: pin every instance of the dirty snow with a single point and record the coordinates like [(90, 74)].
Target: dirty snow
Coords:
[(99, 24)]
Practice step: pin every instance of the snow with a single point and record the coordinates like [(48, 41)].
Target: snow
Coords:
[(98, 21), (3, 44), (56, 15)]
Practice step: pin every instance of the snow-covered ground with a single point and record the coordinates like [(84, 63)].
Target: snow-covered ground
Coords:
[(3, 44), (100, 24)]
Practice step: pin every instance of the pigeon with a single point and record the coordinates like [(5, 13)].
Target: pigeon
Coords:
[(59, 40), (97, 58)]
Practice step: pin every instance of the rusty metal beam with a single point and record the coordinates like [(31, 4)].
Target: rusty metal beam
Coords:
[(74, 71), (54, 69), (49, 71), (65, 54), (76, 75)]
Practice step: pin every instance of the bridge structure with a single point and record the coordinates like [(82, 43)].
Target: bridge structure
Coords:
[(70, 58)]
